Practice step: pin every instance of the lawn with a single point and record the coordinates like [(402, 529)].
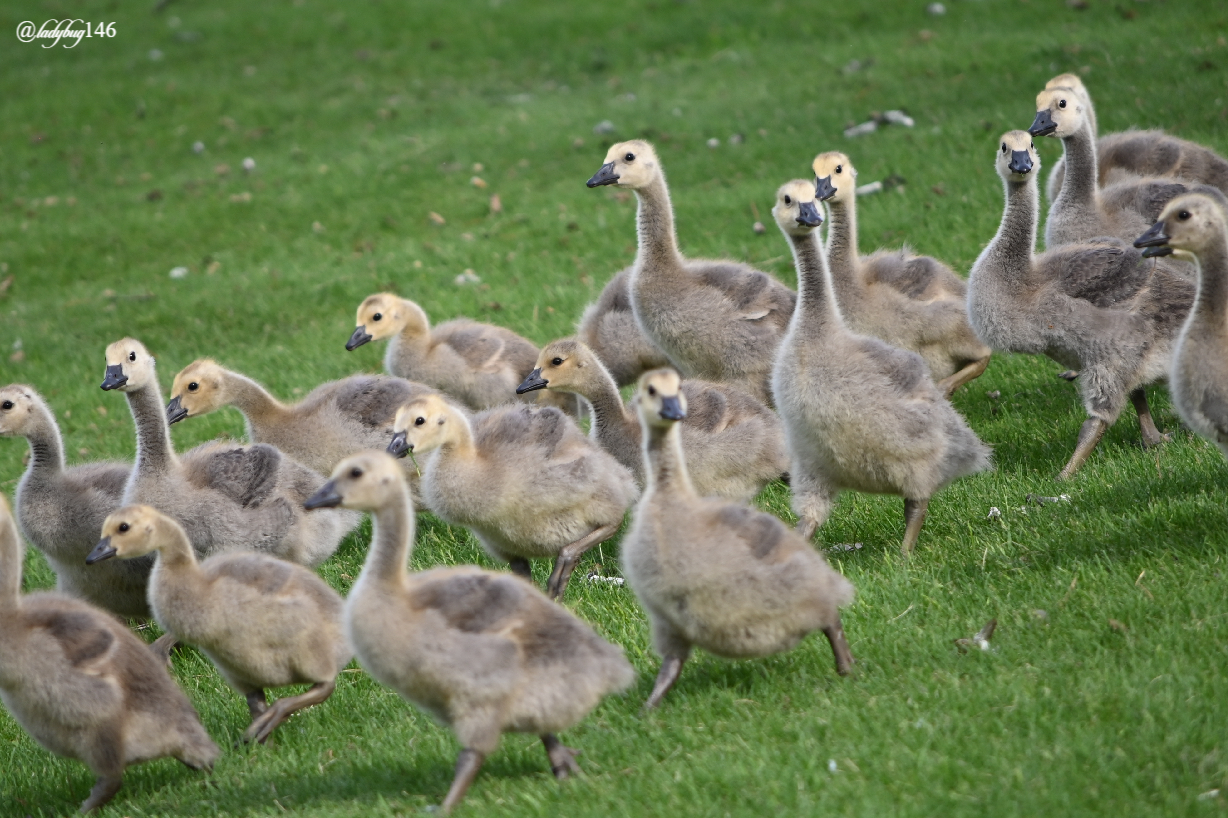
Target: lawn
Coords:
[(381, 131)]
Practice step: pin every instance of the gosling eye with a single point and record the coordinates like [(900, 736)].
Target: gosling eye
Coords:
[(131, 356), (123, 527), (652, 390), (1032, 145), (7, 405), (556, 361), (629, 157), (1061, 103), (1183, 215), (377, 316), (788, 201), (1004, 147), (418, 421), (193, 386), (839, 168), (355, 472)]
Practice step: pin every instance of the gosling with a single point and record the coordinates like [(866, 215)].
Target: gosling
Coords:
[(608, 328), (482, 652), (84, 687), (715, 574)]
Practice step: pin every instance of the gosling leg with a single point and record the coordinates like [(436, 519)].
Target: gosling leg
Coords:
[(257, 704), (671, 668), (163, 645), (562, 758), (806, 526), (1093, 429), (520, 567), (914, 518), (570, 555), (1146, 426), (264, 725), (950, 383), (840, 647), (467, 765), (104, 790)]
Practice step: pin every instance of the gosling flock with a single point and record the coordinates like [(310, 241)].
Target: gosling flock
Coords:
[(842, 385)]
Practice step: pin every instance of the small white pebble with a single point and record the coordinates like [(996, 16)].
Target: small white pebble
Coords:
[(831, 766), (994, 513), (17, 345), (467, 277), (1064, 497), (714, 142), (249, 164), (179, 272), (198, 147), (936, 9), (758, 228), (1208, 795)]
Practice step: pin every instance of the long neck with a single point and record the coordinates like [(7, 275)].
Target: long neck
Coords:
[(253, 400), (46, 446), (10, 562), (654, 222), (153, 435), (842, 256), (1079, 187), (175, 554), (1211, 305), (613, 425), (666, 465), (816, 311), (392, 541), (1015, 241)]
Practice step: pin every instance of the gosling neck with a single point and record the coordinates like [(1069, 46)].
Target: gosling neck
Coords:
[(46, 445), (254, 401), (816, 313), (175, 554), (459, 440), (667, 472), (613, 424), (416, 333), (1010, 252), (10, 563), (842, 256), (392, 541), (1209, 304), (1079, 187), (154, 452), (654, 224)]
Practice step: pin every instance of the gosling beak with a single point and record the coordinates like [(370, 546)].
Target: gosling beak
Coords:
[(533, 382), (824, 189), (1043, 125), (175, 411), (326, 497), (605, 176), (115, 377), (103, 551), (399, 446), (1020, 162), (671, 408), (808, 214), (359, 338), (1155, 241)]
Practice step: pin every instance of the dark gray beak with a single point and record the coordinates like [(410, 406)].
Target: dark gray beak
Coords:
[(175, 411), (1043, 125), (1020, 162), (115, 377), (605, 176), (399, 447), (671, 408), (326, 497), (1154, 240), (534, 382), (824, 189), (808, 214), (359, 338), (103, 551)]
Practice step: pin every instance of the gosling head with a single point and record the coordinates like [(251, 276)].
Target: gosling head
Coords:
[(1017, 158), (1187, 225), (128, 533), (632, 164), (659, 398), (364, 481), (835, 178), (130, 367), (384, 315), (796, 210), (16, 409), (198, 389), (561, 364), (1060, 112), (421, 425), (1072, 81)]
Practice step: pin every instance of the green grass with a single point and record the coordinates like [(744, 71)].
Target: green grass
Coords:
[(365, 118)]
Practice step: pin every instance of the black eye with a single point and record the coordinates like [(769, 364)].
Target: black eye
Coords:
[(1061, 103), (123, 527), (629, 157), (1183, 215), (556, 362), (652, 390), (839, 168), (193, 386), (1004, 147), (377, 316), (1032, 145), (355, 472), (788, 201), (131, 356), (418, 421), (8, 404)]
